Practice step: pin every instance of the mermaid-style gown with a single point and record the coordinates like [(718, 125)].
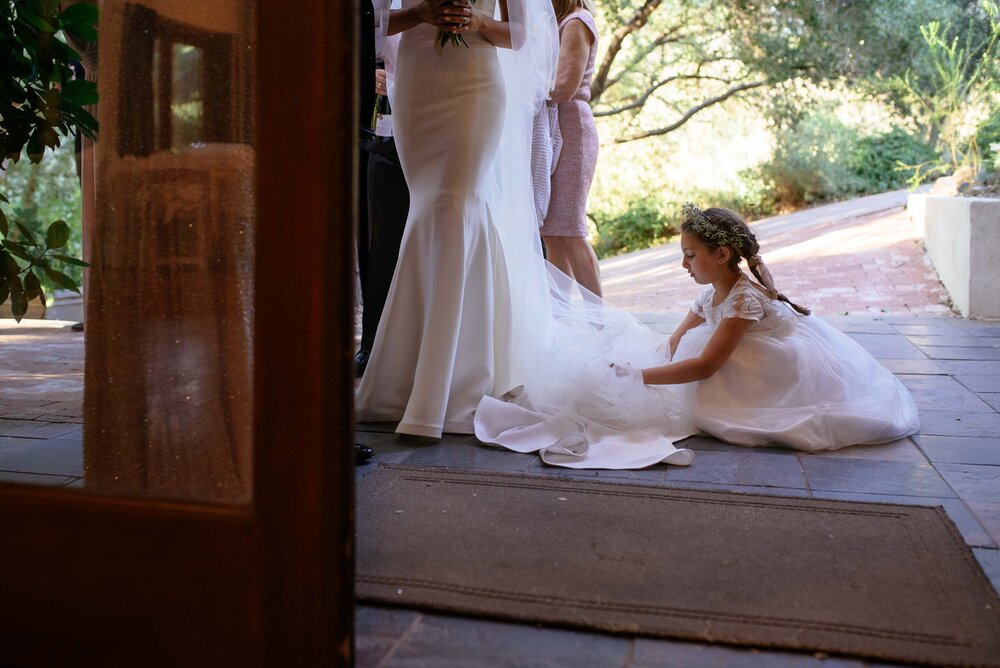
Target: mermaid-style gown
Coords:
[(441, 342)]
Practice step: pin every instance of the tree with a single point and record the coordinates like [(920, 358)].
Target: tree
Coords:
[(41, 101), (665, 61), (953, 79)]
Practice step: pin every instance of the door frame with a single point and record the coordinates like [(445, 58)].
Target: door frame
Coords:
[(90, 577)]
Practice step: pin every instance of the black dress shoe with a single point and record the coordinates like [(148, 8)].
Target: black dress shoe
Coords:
[(362, 453), (361, 362)]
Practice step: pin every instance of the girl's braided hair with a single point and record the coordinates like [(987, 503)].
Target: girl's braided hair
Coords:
[(717, 227)]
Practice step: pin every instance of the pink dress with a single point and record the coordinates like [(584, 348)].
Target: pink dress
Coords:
[(567, 214)]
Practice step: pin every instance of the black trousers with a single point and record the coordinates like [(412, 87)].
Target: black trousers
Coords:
[(388, 204)]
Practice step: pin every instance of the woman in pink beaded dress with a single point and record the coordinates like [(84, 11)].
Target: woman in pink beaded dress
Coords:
[(565, 228)]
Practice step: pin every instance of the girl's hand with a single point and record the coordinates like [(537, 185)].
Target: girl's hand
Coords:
[(625, 371)]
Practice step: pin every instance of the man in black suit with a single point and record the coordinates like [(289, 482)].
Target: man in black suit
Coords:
[(388, 202), (383, 201)]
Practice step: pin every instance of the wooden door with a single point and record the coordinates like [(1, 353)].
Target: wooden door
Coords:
[(214, 525)]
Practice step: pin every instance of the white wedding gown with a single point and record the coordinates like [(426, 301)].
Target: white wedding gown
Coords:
[(442, 342), (792, 380)]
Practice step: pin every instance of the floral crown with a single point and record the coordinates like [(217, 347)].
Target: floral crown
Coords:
[(716, 234)]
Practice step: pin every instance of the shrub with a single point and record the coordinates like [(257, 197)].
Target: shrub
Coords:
[(810, 164), (886, 161), (644, 224), (987, 136)]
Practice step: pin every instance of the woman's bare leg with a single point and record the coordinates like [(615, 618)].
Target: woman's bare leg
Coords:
[(575, 257)]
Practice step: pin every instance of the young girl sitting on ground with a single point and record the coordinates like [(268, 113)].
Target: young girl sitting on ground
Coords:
[(746, 366), (755, 371)]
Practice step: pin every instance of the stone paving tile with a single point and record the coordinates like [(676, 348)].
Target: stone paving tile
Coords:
[(383, 443), (371, 650), (378, 427), (937, 327), (970, 367), (651, 475), (649, 652), (990, 562), (978, 328), (74, 434), (988, 515), (943, 393), (740, 468), (973, 482), (378, 630), (979, 383), (439, 641), (959, 423), (907, 366), (538, 467), (992, 398), (888, 346), (853, 325), (961, 353), (35, 428), (973, 531), (872, 477), (377, 620), (52, 456), (741, 489), (35, 478), (903, 450), (958, 450), (714, 444), (963, 341), (465, 455)]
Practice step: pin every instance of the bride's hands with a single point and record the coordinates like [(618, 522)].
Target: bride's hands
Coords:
[(474, 19), (447, 15)]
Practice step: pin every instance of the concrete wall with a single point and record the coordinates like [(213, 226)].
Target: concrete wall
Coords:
[(962, 236)]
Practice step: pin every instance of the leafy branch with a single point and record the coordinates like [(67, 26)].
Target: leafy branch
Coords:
[(23, 284), (689, 114), (43, 99)]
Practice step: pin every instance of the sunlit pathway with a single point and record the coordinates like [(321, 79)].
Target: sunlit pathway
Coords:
[(861, 257)]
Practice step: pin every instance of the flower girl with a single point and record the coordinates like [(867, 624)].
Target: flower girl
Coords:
[(746, 365), (757, 368)]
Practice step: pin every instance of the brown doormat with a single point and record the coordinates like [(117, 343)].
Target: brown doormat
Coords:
[(878, 580)]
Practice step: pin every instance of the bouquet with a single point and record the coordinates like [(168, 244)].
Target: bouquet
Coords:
[(456, 39)]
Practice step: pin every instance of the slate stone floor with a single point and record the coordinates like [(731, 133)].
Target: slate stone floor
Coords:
[(952, 367)]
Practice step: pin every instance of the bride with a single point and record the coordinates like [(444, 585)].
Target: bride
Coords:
[(448, 333), (474, 309)]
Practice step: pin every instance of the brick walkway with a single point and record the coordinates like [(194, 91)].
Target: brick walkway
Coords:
[(859, 258)]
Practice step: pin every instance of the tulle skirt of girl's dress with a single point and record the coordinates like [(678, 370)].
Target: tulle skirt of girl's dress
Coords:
[(814, 389)]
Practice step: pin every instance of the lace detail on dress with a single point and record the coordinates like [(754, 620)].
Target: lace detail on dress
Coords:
[(767, 316), (744, 305), (703, 300)]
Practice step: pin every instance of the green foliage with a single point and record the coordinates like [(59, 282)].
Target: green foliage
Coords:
[(950, 83), (47, 191), (642, 225), (40, 103), (810, 164), (988, 134), (39, 98), (885, 161)]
